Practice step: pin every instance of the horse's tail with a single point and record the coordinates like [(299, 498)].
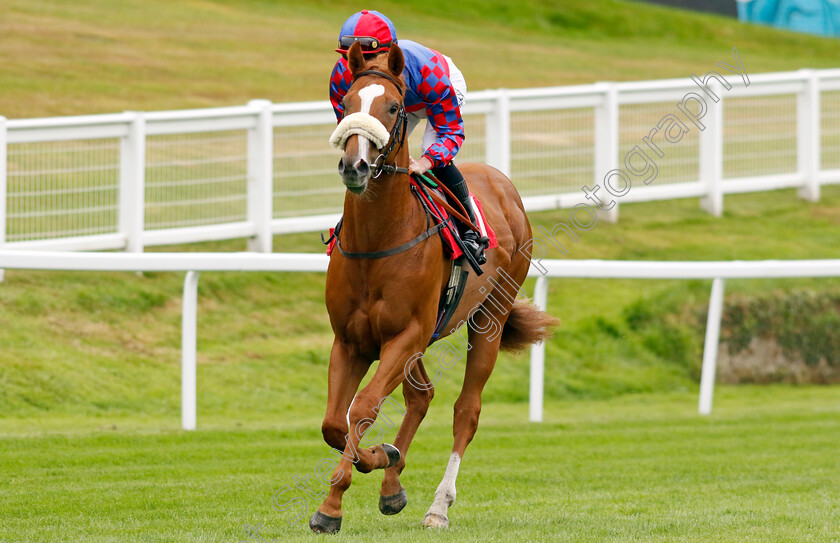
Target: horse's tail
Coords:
[(526, 325)]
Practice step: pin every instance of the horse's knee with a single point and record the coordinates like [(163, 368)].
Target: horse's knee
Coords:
[(341, 481), (334, 433), (365, 424), (365, 407), (419, 401)]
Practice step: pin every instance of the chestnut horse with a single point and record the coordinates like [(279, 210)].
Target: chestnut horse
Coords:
[(385, 307)]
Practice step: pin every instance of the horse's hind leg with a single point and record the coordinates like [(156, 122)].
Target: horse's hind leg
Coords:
[(418, 392), (481, 359)]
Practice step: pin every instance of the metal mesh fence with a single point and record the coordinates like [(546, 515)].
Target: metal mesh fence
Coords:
[(62, 189), (69, 189), (196, 179), (474, 140), (681, 160), (759, 136), (830, 115), (306, 180), (552, 152)]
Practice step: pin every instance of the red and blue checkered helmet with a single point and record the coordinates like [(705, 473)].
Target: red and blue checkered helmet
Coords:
[(375, 31)]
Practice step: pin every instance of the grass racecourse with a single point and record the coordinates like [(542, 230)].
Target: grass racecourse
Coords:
[(90, 441), (636, 468)]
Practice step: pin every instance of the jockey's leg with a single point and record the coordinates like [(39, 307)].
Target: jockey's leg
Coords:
[(454, 181)]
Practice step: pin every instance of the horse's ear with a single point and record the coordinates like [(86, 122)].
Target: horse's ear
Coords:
[(396, 61), (355, 58)]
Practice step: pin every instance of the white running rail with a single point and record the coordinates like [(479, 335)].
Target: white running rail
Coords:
[(135, 179), (194, 263)]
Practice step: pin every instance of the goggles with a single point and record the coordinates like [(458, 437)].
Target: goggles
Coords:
[(369, 43)]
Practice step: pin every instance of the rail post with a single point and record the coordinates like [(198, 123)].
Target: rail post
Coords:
[(4, 144), (606, 148), (710, 347), (808, 136), (711, 155), (133, 183), (497, 134), (261, 176), (537, 383), (189, 317)]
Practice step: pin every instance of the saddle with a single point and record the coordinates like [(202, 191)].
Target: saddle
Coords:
[(438, 206), (424, 186)]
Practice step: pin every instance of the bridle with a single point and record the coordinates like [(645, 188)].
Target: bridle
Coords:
[(397, 133)]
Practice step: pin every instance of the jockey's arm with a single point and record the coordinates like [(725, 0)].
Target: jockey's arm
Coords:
[(419, 167), (444, 115), (340, 81)]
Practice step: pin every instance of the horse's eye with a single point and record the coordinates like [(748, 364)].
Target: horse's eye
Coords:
[(394, 109)]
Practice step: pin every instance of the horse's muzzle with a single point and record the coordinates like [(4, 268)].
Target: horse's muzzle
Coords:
[(355, 176)]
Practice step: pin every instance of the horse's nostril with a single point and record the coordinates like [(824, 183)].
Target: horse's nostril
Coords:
[(362, 168), (340, 166)]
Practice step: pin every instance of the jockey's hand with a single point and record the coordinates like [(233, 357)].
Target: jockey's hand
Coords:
[(419, 167)]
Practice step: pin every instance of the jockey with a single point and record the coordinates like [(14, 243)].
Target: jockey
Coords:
[(435, 91)]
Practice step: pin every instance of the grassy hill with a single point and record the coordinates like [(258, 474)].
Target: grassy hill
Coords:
[(93, 56), (105, 348), (91, 347)]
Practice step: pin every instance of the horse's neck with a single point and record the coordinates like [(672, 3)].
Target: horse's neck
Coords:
[(382, 218)]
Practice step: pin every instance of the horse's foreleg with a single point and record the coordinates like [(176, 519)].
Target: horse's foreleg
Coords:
[(418, 392), (395, 354), (346, 372), (481, 360)]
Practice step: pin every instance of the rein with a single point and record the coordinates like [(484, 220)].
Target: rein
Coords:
[(460, 214)]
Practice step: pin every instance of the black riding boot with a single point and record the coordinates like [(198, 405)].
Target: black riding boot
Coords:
[(454, 181)]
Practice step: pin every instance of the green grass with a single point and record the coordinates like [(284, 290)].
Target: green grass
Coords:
[(107, 345), (90, 446), (91, 56), (152, 54), (638, 468)]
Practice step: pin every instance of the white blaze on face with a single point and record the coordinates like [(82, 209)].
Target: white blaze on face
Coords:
[(368, 95)]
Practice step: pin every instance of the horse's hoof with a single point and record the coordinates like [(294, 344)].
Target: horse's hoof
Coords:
[(391, 505), (435, 521), (392, 452), (324, 524)]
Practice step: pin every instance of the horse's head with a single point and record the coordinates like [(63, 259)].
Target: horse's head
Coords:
[(374, 116)]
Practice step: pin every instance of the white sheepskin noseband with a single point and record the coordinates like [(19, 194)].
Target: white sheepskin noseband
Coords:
[(362, 124)]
